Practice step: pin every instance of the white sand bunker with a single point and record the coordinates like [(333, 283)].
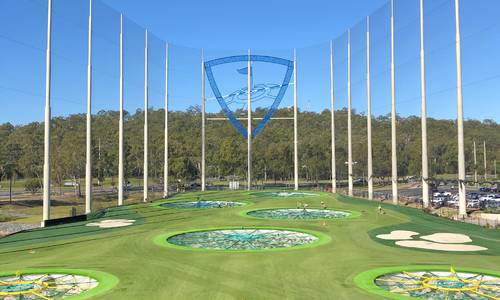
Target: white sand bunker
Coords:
[(441, 241), (439, 246), (398, 235), (113, 223), (449, 238)]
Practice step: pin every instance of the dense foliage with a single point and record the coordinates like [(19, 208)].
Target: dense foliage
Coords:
[(21, 147)]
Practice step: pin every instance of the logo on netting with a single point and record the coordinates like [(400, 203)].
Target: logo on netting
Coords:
[(255, 91)]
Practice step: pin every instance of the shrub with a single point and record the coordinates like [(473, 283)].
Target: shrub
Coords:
[(32, 186)]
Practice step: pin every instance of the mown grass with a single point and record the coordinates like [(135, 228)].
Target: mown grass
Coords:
[(149, 271)]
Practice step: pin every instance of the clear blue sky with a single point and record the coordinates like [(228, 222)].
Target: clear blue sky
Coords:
[(230, 27)]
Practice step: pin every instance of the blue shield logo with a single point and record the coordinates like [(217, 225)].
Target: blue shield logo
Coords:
[(257, 89)]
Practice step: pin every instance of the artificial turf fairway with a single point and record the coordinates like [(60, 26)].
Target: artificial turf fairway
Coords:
[(149, 271)]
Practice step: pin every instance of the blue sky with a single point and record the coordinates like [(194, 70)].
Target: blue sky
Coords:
[(231, 27)]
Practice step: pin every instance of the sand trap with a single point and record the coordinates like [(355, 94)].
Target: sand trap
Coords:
[(113, 223), (448, 238), (397, 235), (439, 246)]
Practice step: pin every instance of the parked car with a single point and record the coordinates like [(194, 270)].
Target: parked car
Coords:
[(438, 202), (485, 198), (473, 204), (452, 203), (493, 203), (474, 196), (446, 194), (484, 190)]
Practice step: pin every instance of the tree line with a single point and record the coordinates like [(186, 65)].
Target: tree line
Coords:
[(21, 146)]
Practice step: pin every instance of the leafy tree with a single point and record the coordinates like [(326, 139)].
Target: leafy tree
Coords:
[(32, 186), (21, 147)]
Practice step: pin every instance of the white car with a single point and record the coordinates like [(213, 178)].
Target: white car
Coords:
[(473, 204), (437, 201), (485, 198)]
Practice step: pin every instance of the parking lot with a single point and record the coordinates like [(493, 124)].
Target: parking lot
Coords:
[(481, 198)]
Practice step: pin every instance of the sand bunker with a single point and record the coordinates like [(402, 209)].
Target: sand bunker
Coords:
[(441, 241), (398, 235), (448, 238), (113, 223), (439, 246)]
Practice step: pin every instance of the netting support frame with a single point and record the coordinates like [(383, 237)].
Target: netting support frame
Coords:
[(248, 133)]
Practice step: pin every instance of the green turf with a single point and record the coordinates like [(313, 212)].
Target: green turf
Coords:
[(149, 271)]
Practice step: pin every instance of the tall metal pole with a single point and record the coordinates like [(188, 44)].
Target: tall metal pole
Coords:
[(249, 124), (393, 115), (46, 164), (485, 164), (369, 113), (332, 112), (165, 159), (475, 164), (146, 104), (88, 165), (295, 124), (462, 203), (202, 122), (120, 126), (423, 109), (495, 164), (349, 121)]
